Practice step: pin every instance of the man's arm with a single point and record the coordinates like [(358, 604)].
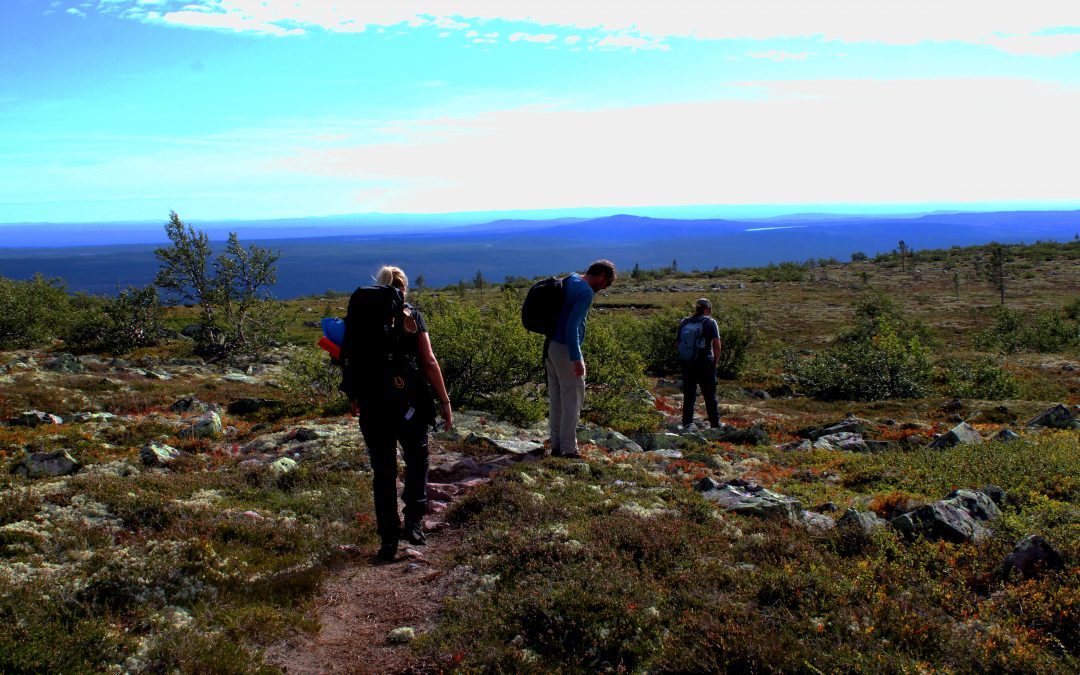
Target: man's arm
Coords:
[(575, 322)]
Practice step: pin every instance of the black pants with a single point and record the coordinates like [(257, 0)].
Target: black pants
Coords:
[(382, 438), (699, 374)]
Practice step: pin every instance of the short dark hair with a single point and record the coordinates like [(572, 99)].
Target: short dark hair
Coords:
[(604, 268)]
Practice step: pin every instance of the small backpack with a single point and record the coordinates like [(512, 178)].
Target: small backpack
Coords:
[(542, 306), (376, 368), (691, 342)]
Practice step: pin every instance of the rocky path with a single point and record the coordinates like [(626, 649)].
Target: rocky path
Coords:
[(362, 604)]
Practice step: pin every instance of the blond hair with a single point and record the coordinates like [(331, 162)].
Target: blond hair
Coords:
[(393, 276)]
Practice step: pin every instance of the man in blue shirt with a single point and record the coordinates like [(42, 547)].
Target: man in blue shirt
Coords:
[(564, 363)]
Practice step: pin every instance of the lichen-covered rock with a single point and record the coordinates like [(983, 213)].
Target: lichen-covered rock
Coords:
[(961, 434), (65, 363), (402, 635), (866, 521), (752, 435), (850, 426), (243, 406), (282, 466), (1033, 556), (189, 404), (747, 498), (156, 453), (35, 418), (207, 425), (45, 464), (1058, 417), (957, 518), (1006, 435)]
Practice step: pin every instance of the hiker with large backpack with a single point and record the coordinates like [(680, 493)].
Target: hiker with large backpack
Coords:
[(388, 373), (698, 343), (563, 361)]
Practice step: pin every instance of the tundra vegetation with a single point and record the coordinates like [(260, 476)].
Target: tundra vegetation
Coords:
[(182, 479)]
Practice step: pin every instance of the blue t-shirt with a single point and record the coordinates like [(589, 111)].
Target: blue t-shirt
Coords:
[(570, 330)]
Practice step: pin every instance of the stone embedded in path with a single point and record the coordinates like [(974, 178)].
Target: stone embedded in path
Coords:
[(47, 464), (961, 434)]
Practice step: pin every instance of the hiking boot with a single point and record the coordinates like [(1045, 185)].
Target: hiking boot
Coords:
[(571, 455), (414, 533), (387, 552)]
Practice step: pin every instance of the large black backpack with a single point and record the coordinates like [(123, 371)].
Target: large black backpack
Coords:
[(542, 306), (377, 370)]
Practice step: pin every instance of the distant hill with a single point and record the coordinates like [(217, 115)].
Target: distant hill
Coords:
[(526, 247)]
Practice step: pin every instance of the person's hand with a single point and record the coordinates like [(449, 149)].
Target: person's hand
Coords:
[(447, 415), (355, 408), (579, 368)]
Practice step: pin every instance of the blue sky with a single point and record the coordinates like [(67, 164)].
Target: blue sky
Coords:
[(256, 109)]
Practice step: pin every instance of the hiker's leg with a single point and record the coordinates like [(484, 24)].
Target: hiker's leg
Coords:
[(382, 449), (414, 447), (689, 391), (571, 389), (554, 403), (708, 392)]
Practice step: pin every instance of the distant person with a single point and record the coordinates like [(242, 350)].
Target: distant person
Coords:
[(387, 419), (698, 343), (564, 363)]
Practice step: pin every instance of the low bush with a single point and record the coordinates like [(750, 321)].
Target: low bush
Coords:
[(1040, 331), (882, 356), (980, 377), (131, 320), (31, 312), (653, 338)]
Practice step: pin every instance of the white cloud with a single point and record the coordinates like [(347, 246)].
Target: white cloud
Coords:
[(1000, 23), (778, 55), (947, 140), (543, 38), (76, 12), (631, 41)]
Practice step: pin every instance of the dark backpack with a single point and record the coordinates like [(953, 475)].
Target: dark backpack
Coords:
[(691, 342), (377, 369), (542, 306)]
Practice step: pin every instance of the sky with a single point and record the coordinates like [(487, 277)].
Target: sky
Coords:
[(122, 110)]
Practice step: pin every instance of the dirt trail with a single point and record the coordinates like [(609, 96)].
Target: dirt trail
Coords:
[(361, 603)]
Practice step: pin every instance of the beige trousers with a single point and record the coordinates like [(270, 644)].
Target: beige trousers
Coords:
[(566, 393)]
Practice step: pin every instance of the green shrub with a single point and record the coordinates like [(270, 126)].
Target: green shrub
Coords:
[(117, 325), (617, 389), (484, 352), (1039, 331), (31, 312), (881, 356), (976, 378), (311, 378), (653, 338)]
